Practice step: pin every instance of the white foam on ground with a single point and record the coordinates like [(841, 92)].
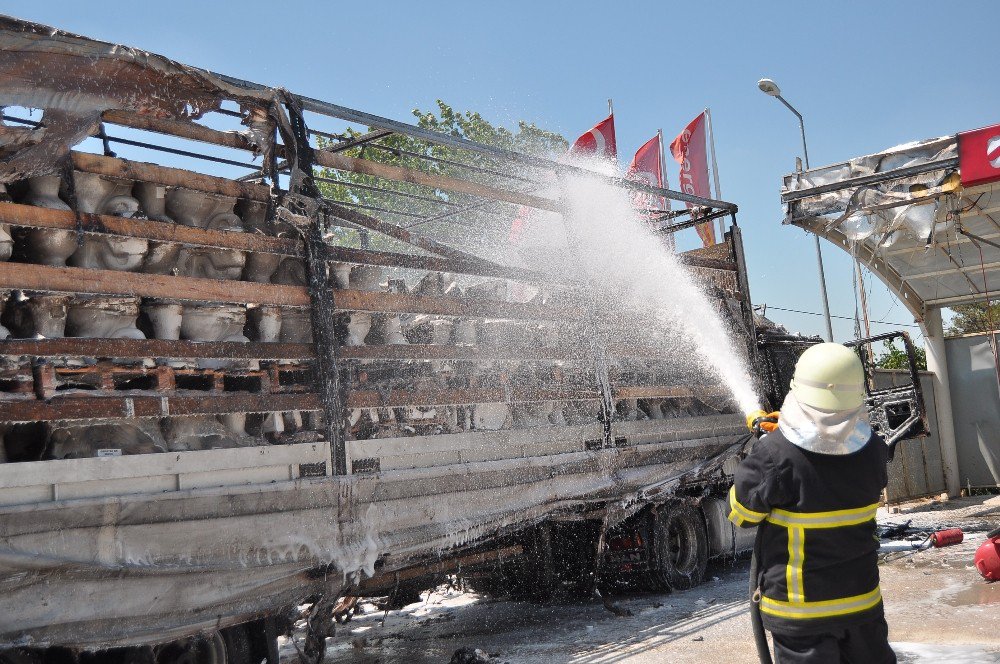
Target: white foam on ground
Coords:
[(918, 653)]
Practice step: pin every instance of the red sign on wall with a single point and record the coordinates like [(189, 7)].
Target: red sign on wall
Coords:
[(979, 155)]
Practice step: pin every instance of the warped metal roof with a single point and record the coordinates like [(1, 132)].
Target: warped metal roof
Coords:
[(905, 214)]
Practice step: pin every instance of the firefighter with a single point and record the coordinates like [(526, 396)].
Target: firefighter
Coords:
[(812, 485)]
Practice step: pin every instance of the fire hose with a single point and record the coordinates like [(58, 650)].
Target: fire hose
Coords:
[(756, 622), (759, 424)]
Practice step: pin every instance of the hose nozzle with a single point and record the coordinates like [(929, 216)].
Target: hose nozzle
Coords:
[(760, 422)]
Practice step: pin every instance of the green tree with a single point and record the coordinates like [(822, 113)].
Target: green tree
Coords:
[(459, 219), (895, 358), (973, 318)]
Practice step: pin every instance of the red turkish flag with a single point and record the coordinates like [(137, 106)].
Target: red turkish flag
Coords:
[(689, 151), (647, 168), (598, 141)]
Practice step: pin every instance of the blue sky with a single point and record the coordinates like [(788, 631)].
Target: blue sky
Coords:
[(866, 76)]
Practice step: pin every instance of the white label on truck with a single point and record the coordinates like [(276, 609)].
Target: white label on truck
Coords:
[(109, 452)]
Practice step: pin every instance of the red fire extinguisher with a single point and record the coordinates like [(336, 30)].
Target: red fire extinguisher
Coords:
[(947, 537)]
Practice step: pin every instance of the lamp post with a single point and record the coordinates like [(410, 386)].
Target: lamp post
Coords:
[(770, 88)]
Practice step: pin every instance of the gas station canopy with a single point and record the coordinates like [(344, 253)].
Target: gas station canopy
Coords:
[(924, 216)]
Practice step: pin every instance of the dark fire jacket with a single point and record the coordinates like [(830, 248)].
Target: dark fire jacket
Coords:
[(818, 558)]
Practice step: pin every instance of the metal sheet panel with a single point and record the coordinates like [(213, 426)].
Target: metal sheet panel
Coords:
[(976, 402)]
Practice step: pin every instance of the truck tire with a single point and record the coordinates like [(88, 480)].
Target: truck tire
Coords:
[(680, 548), (238, 649), (19, 656), (228, 646)]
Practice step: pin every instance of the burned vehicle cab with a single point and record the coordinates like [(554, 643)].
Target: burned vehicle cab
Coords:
[(897, 411)]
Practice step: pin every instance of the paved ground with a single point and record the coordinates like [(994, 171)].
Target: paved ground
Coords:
[(939, 610)]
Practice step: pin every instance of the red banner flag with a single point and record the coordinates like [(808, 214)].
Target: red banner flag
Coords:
[(598, 141), (520, 224), (646, 167), (689, 151)]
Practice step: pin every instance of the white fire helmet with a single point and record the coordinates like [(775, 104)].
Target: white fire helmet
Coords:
[(829, 376)]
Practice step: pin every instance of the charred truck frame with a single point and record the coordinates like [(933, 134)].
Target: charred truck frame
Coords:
[(220, 399)]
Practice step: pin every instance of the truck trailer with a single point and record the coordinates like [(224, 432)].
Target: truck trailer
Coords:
[(231, 385)]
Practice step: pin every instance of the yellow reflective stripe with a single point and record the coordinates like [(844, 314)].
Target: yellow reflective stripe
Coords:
[(821, 609), (833, 519), (796, 560), (736, 518), (745, 512)]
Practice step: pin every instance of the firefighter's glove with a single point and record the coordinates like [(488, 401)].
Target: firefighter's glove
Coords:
[(761, 423)]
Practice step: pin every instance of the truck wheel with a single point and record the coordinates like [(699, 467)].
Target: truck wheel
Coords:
[(680, 548), (19, 656), (229, 646), (238, 649)]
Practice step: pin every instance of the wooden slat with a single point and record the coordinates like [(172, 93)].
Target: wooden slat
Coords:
[(143, 348), (72, 407), (181, 128), (109, 282), (353, 300), (661, 392), (453, 352), (360, 398), (710, 263), (344, 163), (397, 398), (435, 263), (170, 177), (489, 353), (37, 217)]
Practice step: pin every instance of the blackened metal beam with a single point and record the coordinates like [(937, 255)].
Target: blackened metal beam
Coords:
[(849, 183), (86, 407), (355, 142), (322, 299), (694, 221)]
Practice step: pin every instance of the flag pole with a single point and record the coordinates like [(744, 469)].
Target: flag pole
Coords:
[(663, 182), (611, 107), (663, 165), (715, 170)]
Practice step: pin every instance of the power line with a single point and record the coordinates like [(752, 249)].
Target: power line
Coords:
[(851, 318)]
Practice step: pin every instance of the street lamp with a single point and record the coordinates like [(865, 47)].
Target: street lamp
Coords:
[(771, 89)]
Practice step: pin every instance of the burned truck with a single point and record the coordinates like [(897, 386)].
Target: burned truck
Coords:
[(230, 385)]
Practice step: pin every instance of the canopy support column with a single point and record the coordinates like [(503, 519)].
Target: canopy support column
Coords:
[(937, 362)]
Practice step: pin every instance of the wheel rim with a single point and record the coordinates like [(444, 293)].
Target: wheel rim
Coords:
[(681, 546)]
